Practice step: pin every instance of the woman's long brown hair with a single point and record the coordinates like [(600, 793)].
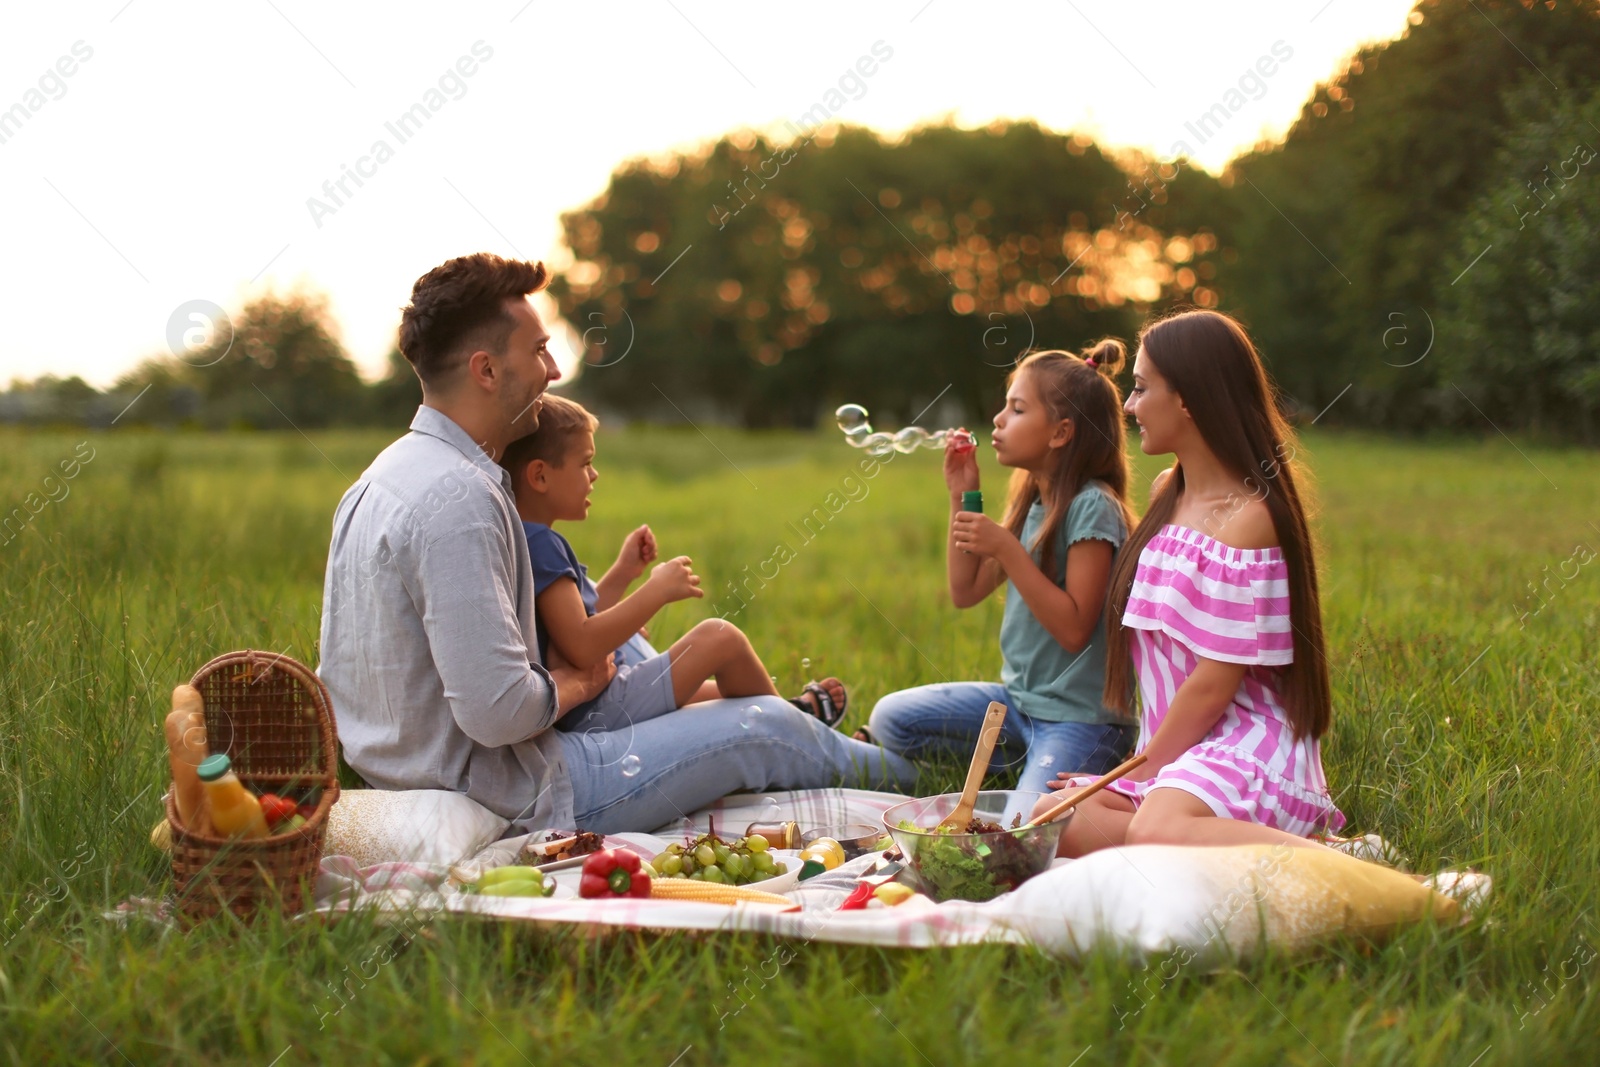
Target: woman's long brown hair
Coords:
[(1208, 360), (1071, 388)]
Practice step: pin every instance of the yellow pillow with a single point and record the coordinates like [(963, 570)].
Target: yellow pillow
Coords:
[(1309, 893), (1214, 905)]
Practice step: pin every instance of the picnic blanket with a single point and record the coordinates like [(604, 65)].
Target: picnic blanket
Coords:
[(1210, 906)]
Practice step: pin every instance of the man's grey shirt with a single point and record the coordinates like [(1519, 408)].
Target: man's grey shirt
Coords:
[(428, 642)]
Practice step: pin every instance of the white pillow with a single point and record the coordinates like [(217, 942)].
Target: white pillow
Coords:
[(409, 826)]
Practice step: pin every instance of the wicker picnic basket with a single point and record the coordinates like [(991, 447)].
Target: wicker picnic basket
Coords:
[(272, 717)]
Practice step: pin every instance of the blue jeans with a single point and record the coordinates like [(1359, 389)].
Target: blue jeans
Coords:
[(945, 719), (640, 774)]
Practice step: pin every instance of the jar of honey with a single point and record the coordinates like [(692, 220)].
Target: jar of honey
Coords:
[(778, 835)]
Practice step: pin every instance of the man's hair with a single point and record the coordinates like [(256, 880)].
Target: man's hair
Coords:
[(560, 422), (459, 307)]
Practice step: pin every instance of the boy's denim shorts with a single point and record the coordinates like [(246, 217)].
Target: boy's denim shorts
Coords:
[(638, 693)]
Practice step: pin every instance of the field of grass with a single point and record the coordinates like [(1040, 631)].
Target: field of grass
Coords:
[(1462, 615)]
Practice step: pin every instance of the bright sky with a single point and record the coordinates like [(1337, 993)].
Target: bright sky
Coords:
[(175, 162)]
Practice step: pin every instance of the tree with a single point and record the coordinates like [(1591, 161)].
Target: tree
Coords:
[(1520, 331), (393, 399), (282, 366), (1354, 218), (773, 282), (158, 392), (49, 399)]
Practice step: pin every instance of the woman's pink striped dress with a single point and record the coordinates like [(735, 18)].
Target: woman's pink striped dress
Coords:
[(1194, 596)]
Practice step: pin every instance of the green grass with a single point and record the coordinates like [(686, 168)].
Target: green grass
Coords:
[(1463, 732)]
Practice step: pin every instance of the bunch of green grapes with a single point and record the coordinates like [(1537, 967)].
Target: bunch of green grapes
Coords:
[(708, 858)]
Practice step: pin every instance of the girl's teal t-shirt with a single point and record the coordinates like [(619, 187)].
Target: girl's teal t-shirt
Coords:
[(1045, 680)]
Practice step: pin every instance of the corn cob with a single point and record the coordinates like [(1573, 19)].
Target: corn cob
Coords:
[(713, 892)]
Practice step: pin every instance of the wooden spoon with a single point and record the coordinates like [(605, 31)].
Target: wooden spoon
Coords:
[(993, 719), (1083, 794)]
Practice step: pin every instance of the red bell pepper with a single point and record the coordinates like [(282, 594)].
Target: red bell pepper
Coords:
[(613, 872), (857, 900)]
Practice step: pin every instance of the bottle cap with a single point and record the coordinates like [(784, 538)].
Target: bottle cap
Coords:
[(972, 500), (213, 767)]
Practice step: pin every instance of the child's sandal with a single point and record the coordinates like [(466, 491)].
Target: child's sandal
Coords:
[(1470, 889), (824, 710)]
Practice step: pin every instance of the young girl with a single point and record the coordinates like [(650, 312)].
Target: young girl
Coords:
[(1067, 514), (1214, 613)]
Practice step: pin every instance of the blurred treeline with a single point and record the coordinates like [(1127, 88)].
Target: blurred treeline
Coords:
[(1420, 251), (277, 364)]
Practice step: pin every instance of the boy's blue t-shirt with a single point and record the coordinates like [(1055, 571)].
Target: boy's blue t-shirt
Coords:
[(553, 558), (1045, 680)]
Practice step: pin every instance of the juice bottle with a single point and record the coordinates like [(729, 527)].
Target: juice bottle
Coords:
[(235, 811)]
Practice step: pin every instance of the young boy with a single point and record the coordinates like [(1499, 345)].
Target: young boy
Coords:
[(552, 472)]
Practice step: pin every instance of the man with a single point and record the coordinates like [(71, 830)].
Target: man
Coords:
[(429, 647)]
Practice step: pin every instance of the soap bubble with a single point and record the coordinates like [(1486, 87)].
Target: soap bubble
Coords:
[(878, 444), (750, 716), (910, 439), (858, 433), (853, 418), (631, 765), (771, 812), (805, 663)]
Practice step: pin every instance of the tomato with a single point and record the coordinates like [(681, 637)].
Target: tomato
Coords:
[(276, 809)]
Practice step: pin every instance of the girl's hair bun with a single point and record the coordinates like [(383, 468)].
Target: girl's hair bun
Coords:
[(1108, 356)]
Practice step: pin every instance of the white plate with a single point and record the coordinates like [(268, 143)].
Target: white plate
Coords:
[(562, 865), (781, 883)]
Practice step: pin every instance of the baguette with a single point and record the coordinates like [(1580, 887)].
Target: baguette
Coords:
[(185, 730)]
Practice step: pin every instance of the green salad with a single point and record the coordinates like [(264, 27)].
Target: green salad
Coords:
[(956, 865)]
